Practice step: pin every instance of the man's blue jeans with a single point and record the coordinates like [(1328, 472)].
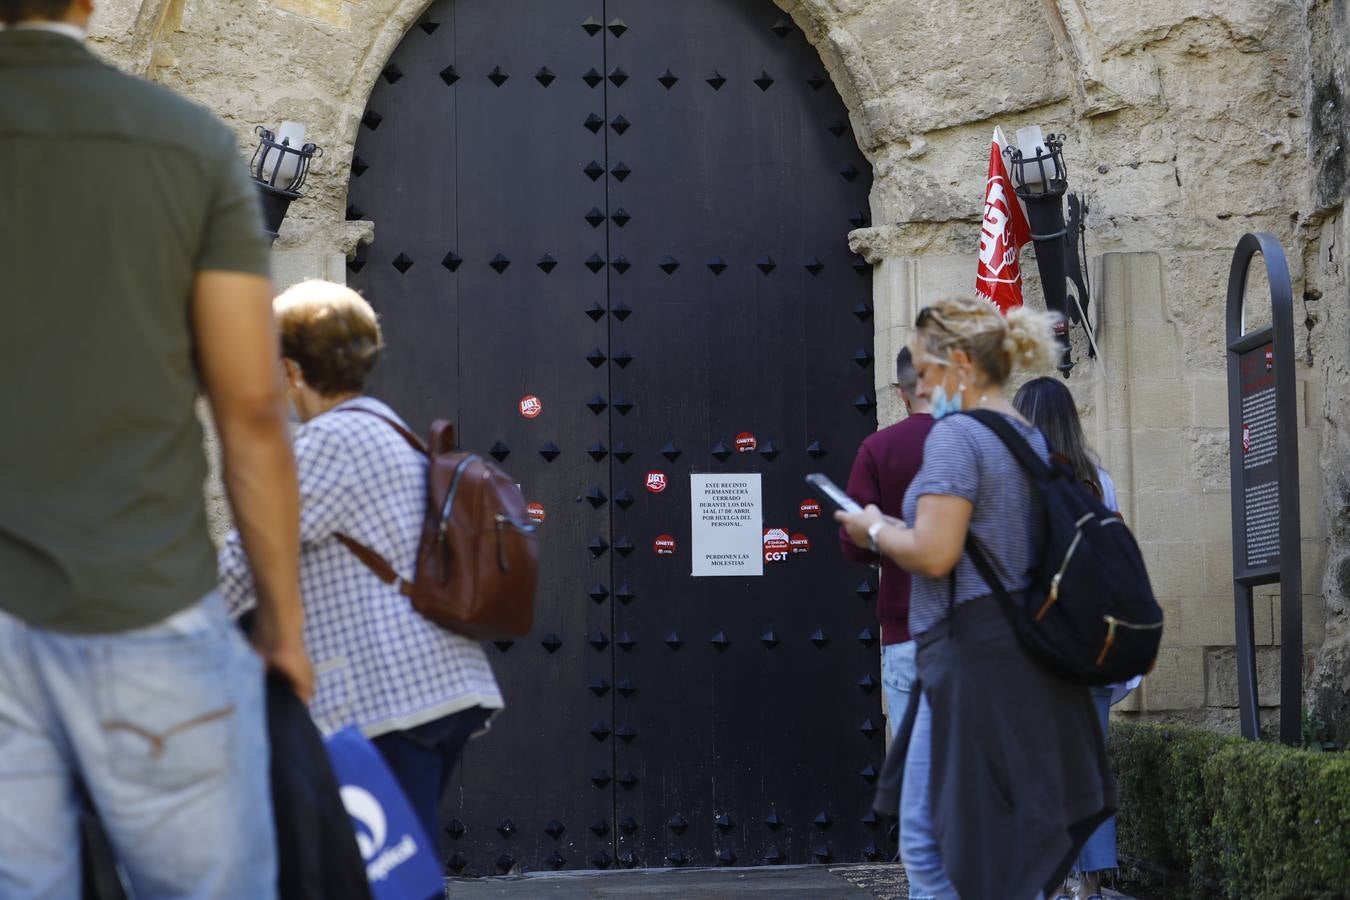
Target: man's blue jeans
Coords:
[(918, 842), (899, 669), (164, 727)]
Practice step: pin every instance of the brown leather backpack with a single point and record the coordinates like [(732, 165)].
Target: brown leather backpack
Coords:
[(478, 559)]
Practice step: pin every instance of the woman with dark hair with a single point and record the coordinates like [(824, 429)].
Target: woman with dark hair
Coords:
[(1048, 404)]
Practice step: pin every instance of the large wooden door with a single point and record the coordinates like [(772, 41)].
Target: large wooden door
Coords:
[(635, 213)]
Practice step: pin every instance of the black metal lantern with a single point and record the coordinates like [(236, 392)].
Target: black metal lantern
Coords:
[(280, 166), (1041, 179)]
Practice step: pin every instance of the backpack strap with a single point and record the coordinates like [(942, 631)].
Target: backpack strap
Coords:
[(413, 440), (1036, 468), (986, 570), (1016, 444), (375, 563)]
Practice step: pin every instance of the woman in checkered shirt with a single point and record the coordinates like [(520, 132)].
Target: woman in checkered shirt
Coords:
[(417, 691)]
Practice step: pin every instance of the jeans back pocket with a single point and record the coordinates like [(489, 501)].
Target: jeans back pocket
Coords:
[(169, 703)]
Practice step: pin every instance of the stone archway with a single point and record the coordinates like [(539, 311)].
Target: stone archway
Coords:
[(845, 63)]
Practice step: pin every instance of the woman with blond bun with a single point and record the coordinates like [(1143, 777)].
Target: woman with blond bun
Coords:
[(417, 691), (1001, 767)]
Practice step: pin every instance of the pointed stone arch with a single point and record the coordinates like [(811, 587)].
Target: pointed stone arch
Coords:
[(820, 21)]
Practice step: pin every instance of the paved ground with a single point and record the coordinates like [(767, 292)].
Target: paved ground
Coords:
[(767, 881), (863, 882)]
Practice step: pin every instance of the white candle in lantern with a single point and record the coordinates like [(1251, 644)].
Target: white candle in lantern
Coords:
[(291, 134), (1032, 144)]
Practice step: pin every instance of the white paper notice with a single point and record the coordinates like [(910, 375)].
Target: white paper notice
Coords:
[(728, 524)]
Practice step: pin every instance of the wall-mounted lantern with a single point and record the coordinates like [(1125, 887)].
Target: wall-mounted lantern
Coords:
[(280, 165), (1040, 179)]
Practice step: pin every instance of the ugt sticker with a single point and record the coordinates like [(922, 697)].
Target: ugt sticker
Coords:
[(656, 482), (531, 406), (664, 545), (810, 509), (800, 543), (746, 443), (777, 545), (536, 513)]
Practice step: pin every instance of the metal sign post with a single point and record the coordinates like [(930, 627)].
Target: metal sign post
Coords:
[(1263, 444)]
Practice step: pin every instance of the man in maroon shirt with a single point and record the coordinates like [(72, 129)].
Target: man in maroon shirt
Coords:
[(886, 463)]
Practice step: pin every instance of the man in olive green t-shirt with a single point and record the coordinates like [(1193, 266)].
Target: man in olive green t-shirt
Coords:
[(133, 272)]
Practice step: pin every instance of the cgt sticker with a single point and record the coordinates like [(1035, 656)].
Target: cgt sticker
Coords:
[(746, 443), (800, 543), (664, 545), (1246, 438), (531, 406), (810, 509), (656, 482), (536, 513), (777, 545)]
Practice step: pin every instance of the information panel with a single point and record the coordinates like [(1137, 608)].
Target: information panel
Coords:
[(728, 525), (1260, 464), (1263, 467)]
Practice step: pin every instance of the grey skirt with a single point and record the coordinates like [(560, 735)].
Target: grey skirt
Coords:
[(1020, 776)]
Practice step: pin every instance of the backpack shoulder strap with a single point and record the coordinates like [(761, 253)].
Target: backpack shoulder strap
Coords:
[(375, 563), (413, 440), (986, 570), (1016, 444), (372, 560)]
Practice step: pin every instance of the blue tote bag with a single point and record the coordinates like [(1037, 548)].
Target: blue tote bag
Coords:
[(400, 860)]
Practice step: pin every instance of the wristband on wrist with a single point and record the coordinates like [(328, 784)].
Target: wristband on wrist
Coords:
[(873, 531)]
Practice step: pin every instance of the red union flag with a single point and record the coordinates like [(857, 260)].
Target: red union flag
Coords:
[(1003, 232)]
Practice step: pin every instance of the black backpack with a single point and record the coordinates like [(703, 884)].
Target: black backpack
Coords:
[(1089, 614)]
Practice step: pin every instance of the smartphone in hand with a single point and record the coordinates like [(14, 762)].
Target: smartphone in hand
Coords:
[(830, 491)]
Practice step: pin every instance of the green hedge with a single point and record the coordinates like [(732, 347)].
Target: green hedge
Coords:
[(1205, 815)]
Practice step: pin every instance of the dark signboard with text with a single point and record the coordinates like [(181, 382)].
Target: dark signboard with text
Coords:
[(1260, 450), (1263, 442)]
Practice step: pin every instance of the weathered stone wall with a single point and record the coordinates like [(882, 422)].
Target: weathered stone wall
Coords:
[(1327, 302), (1190, 122)]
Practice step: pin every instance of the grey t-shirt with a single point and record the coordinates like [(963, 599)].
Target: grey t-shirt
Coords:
[(963, 458)]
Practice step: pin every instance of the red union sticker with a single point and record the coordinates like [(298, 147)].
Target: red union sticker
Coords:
[(531, 406), (664, 545), (1270, 360), (777, 544), (746, 443), (810, 509), (536, 513), (800, 543), (656, 482), (1246, 438)]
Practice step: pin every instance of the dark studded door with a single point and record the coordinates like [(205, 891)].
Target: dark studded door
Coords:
[(611, 243)]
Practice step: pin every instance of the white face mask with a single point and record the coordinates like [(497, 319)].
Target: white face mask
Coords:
[(942, 404), (294, 380)]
